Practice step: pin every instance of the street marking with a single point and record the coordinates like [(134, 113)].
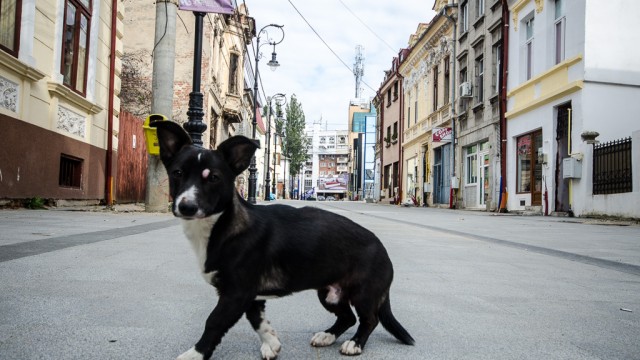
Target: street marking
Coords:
[(603, 263), (37, 247)]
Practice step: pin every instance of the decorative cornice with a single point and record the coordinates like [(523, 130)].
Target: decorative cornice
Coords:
[(20, 68), (65, 93), (515, 10)]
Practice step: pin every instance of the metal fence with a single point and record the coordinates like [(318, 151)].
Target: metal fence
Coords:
[(612, 167)]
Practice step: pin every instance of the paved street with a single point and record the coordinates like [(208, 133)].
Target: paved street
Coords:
[(468, 285)]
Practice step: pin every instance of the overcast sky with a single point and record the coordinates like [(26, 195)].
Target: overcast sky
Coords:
[(320, 81)]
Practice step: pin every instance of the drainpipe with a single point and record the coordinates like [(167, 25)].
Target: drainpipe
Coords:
[(112, 64), (400, 137), (443, 12), (502, 202)]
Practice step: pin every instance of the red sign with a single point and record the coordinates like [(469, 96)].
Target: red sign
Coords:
[(442, 134)]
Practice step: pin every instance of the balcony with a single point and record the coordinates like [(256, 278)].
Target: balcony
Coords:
[(232, 108), (440, 116)]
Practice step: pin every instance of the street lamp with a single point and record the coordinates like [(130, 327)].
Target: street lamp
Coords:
[(275, 138), (281, 99), (273, 64)]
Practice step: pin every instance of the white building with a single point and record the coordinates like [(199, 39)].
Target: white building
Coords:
[(572, 69), (326, 171)]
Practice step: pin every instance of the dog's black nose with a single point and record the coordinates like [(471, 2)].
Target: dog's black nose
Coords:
[(187, 208)]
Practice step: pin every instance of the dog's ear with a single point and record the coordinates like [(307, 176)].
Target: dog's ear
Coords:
[(237, 151), (171, 138)]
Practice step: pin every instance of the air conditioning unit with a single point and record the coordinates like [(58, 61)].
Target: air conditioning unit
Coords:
[(465, 89)]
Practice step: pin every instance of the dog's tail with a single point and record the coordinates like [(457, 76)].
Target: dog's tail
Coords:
[(392, 325)]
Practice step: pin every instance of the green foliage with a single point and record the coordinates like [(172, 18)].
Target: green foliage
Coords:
[(294, 140), (35, 203)]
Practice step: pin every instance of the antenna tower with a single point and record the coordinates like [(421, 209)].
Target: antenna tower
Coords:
[(358, 70)]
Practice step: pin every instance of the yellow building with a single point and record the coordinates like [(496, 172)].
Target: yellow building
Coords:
[(59, 80), (426, 141)]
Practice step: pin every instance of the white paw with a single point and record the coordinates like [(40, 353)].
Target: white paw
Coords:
[(270, 350), (350, 348), (322, 339), (191, 354), (270, 344)]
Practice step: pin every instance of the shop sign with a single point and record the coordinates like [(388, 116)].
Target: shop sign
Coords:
[(442, 134)]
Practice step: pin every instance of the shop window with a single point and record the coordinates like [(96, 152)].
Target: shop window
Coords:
[(528, 168), (471, 165)]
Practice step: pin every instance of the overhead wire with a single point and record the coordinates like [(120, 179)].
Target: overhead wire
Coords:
[(368, 28), (327, 45)]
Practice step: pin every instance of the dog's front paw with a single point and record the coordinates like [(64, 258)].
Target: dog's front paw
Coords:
[(322, 339), (350, 348), (270, 345), (270, 350), (191, 354)]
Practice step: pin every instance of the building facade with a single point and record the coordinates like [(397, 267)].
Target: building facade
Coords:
[(426, 142), (569, 79), (226, 73), (59, 80), (389, 103), (479, 57), (326, 172)]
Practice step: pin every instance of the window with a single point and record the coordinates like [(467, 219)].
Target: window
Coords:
[(70, 172), (471, 165), (446, 80), (75, 44), (527, 152), (479, 7), (10, 25), (395, 129), (389, 97), (388, 138), (497, 60), (233, 73), (463, 79), (529, 48), (435, 88), (559, 31), (464, 18), (480, 79), (395, 91)]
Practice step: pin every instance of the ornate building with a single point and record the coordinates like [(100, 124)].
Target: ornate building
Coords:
[(426, 140), (59, 105)]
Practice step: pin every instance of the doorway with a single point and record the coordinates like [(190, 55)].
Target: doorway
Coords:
[(563, 134), (441, 174)]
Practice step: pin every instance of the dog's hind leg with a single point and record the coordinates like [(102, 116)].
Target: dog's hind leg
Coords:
[(367, 312), (270, 344), (330, 299)]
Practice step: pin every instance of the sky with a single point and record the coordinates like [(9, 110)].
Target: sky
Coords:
[(309, 69)]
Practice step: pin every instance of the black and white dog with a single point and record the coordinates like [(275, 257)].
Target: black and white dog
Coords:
[(251, 253)]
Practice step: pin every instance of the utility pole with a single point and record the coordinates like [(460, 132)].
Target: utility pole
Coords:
[(157, 193)]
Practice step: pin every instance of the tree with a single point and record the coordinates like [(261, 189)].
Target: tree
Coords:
[(294, 141)]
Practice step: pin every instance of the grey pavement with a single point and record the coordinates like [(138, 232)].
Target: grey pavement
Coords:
[(468, 285)]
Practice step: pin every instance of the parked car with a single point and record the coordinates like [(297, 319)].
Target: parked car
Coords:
[(331, 198), (321, 198)]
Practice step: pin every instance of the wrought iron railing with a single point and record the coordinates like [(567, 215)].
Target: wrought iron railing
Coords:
[(612, 167)]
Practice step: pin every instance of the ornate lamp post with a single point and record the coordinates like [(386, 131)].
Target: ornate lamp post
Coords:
[(273, 64), (280, 99)]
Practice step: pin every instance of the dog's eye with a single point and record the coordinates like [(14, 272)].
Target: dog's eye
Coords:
[(214, 178), (176, 174)]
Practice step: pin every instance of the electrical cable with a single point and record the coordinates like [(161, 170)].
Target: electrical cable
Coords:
[(368, 28), (327, 45)]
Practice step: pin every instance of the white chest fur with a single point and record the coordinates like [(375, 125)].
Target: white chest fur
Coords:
[(198, 231)]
